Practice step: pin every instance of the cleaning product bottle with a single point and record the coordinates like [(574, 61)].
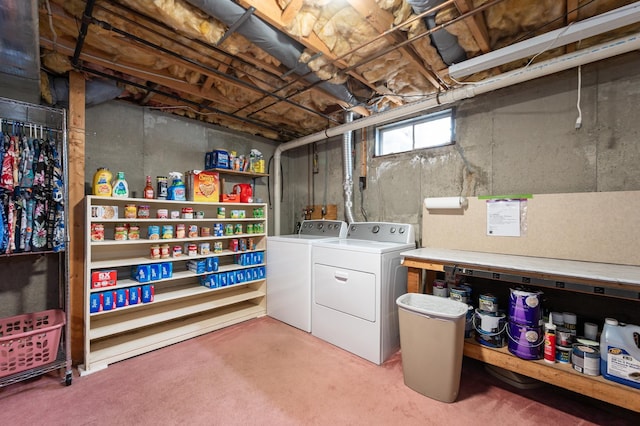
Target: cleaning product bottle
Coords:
[(120, 186), (102, 182), (177, 189), (550, 340), (620, 352)]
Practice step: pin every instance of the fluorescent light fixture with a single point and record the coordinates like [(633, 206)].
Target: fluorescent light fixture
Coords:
[(616, 18)]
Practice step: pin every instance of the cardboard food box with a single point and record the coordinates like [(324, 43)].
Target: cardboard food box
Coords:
[(106, 278), (104, 212), (202, 186)]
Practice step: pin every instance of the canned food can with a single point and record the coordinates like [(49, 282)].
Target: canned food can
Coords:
[(153, 232), (228, 229), (120, 233), (238, 229), (162, 214), (249, 228), (192, 231), (221, 213), (180, 230), (251, 245), (217, 247), (234, 245), (175, 214), (200, 215), (162, 187), (143, 212), (130, 211), (167, 232), (187, 212), (134, 232), (192, 249), (205, 231), (177, 251), (243, 244), (204, 248), (97, 232), (155, 251), (164, 251)]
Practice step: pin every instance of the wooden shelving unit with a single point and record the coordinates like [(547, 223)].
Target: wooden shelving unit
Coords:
[(181, 308), (603, 279)]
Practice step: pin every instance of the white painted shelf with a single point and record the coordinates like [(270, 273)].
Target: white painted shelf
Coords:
[(181, 307)]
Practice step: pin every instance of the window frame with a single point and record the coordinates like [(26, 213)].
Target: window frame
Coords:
[(412, 123)]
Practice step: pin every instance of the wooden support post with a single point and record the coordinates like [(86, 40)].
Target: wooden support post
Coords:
[(76, 211)]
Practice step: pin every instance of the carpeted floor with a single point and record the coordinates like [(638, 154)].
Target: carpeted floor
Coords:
[(264, 372)]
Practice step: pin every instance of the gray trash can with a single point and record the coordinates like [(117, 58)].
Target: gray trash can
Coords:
[(431, 342)]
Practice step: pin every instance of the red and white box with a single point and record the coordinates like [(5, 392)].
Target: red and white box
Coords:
[(102, 279)]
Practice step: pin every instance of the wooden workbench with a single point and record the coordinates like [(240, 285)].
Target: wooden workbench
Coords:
[(608, 277)]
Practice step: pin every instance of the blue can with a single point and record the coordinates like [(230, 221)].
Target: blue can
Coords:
[(153, 232)]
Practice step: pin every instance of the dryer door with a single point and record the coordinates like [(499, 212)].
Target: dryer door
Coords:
[(346, 290)]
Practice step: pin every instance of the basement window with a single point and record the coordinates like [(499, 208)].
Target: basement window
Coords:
[(427, 131)]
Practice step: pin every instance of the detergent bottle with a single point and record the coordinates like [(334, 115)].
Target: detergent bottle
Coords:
[(177, 189), (102, 182), (620, 352)]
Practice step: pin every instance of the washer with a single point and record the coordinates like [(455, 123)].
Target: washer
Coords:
[(356, 281), (289, 270)]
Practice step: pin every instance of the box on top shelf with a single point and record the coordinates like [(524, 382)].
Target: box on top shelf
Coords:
[(217, 159), (202, 185)]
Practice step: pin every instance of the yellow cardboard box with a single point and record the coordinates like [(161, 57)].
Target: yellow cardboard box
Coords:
[(202, 186)]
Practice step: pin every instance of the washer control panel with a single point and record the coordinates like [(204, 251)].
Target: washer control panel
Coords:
[(325, 228), (382, 231)]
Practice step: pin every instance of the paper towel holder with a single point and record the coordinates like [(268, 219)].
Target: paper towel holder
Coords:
[(440, 203)]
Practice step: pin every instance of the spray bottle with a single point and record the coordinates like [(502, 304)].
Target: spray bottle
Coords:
[(177, 189), (550, 340)]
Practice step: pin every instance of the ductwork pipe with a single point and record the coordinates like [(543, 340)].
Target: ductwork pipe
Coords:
[(551, 66), (96, 91), (347, 160), (445, 42), (281, 47)]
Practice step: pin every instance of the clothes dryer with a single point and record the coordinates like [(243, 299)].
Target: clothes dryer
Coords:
[(356, 281)]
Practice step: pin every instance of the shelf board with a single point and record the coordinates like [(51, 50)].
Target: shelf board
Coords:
[(110, 264), (562, 375), (171, 240), (169, 220), (95, 200), (179, 275), (156, 336), (238, 173), (178, 303)]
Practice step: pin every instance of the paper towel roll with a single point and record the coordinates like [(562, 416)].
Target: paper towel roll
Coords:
[(445, 203)]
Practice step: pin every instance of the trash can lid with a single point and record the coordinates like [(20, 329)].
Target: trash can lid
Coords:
[(432, 305)]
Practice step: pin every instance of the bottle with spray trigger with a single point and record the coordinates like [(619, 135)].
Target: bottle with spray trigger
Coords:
[(177, 189)]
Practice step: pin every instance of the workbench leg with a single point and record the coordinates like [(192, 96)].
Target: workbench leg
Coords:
[(414, 280)]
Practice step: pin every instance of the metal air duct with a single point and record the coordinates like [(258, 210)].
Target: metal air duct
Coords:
[(275, 43), (445, 42), (20, 51)]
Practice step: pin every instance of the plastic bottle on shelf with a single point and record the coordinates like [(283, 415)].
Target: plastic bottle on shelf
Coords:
[(148, 189), (120, 186), (550, 340), (177, 189), (102, 182), (619, 352)]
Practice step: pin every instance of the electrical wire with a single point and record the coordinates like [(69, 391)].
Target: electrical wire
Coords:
[(579, 119)]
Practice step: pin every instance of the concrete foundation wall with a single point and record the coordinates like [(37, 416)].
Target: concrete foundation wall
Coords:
[(142, 142), (521, 139)]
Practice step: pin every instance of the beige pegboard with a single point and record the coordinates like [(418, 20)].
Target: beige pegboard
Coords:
[(590, 226)]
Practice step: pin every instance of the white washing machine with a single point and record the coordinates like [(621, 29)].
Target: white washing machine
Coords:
[(289, 270), (356, 281)]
